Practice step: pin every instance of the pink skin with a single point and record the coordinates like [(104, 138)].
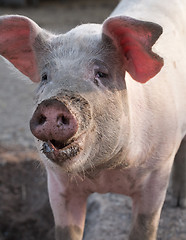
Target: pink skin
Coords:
[(68, 197), (145, 176), (68, 204)]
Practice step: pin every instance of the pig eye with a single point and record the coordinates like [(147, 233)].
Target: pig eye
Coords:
[(44, 77), (101, 73), (100, 76)]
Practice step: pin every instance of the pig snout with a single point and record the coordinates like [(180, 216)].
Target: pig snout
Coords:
[(52, 121)]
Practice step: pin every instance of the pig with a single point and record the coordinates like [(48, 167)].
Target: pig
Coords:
[(110, 110)]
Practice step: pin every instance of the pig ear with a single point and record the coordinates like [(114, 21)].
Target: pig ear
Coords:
[(17, 36), (135, 39)]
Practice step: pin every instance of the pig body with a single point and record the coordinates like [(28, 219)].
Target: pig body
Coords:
[(99, 128)]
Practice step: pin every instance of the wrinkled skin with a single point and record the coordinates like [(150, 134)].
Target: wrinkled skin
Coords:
[(113, 132)]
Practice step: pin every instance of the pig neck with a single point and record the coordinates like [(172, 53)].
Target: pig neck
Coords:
[(148, 101)]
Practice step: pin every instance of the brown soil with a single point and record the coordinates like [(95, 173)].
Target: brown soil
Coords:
[(24, 207)]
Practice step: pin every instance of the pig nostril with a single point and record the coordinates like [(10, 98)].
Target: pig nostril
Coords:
[(63, 120), (42, 120)]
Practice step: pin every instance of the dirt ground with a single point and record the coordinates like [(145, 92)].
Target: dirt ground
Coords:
[(25, 213)]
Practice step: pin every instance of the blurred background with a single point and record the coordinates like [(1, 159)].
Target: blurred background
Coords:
[(24, 208)]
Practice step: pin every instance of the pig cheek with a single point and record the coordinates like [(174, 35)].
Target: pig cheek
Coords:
[(103, 144), (109, 131)]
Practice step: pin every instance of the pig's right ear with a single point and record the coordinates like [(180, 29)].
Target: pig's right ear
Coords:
[(134, 40), (17, 37)]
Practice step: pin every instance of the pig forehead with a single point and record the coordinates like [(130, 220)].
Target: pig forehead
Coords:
[(81, 45), (80, 40)]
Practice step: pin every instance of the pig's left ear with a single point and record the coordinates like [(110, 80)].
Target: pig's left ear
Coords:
[(17, 37), (134, 39)]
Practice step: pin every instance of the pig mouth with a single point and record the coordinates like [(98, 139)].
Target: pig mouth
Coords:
[(60, 152)]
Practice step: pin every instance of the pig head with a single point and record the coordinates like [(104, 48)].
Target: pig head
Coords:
[(81, 98), (83, 122)]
